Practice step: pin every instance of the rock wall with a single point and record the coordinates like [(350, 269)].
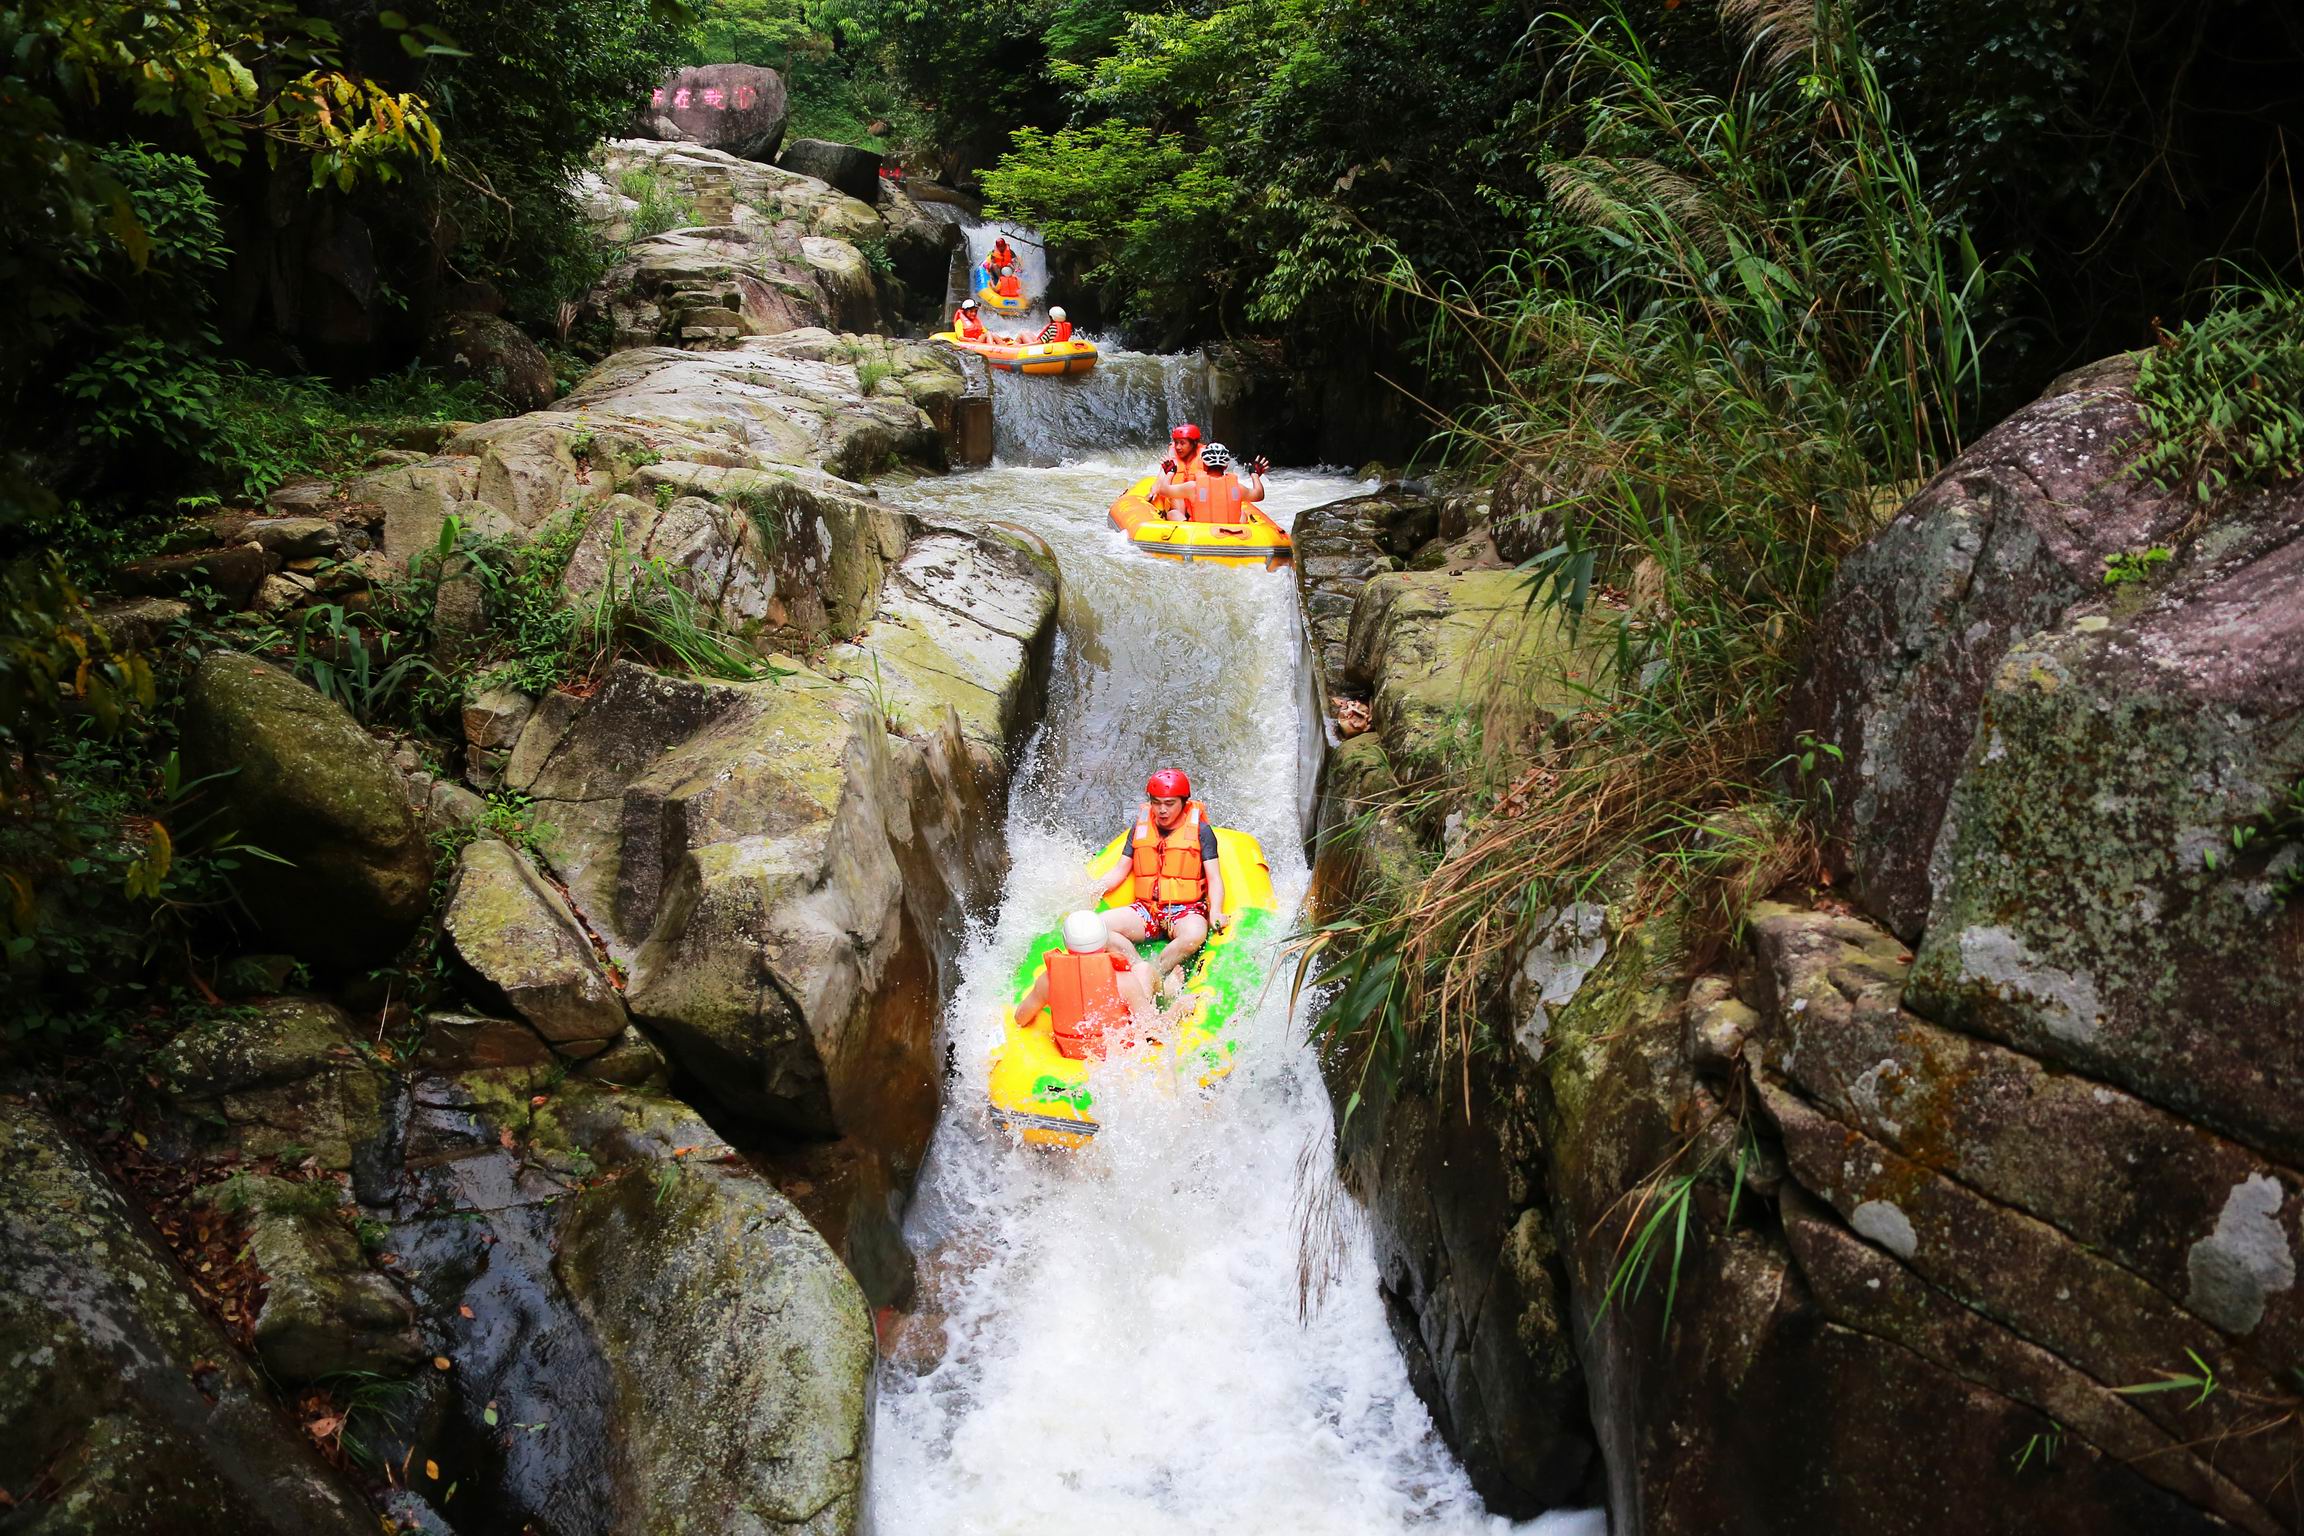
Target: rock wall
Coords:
[(2008, 1138)]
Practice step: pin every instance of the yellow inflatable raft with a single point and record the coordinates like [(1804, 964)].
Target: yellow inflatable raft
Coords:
[(1006, 304), (1258, 538), (1047, 1098), (1035, 357)]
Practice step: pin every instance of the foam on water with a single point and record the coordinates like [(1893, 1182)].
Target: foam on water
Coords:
[(1121, 1346)]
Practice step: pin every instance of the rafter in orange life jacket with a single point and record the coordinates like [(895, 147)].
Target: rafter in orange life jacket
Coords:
[(1168, 867), (1084, 1001)]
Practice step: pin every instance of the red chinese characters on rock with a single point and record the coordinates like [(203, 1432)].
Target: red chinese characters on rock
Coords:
[(743, 98)]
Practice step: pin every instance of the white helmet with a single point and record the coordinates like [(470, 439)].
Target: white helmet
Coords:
[(1055, 311), (967, 303), (1084, 932)]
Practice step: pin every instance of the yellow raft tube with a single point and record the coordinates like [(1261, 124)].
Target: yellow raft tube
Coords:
[(1258, 538), (1046, 1097), (1006, 304), (1035, 357)]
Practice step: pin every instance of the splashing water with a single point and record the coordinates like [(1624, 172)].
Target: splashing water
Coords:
[(1109, 1340)]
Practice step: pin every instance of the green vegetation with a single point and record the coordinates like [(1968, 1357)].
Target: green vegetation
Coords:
[(1746, 322), (2133, 565), (2224, 396), (658, 204)]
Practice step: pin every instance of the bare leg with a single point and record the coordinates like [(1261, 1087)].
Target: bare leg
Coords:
[(1129, 924), (1185, 936), (1135, 986)]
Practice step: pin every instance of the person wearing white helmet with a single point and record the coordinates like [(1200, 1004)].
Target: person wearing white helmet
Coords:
[(1217, 496), (968, 324), (1093, 987), (1058, 328)]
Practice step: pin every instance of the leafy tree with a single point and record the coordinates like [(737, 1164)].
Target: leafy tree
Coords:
[(532, 93)]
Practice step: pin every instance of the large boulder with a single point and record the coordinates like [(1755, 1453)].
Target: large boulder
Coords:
[(324, 1312), (2116, 885), (738, 108), (920, 247), (643, 1334), (295, 776), (284, 1078), (1991, 551), (749, 250), (122, 1407), (739, 1351), (523, 944), (853, 170), (493, 352)]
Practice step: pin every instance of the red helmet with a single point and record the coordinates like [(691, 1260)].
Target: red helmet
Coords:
[(1169, 784), (1186, 433)]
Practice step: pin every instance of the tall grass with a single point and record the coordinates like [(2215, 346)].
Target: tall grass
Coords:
[(1737, 332)]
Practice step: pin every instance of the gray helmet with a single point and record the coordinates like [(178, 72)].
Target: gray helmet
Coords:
[(1216, 456)]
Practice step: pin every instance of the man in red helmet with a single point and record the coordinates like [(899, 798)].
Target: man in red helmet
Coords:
[(1172, 491), (1170, 858)]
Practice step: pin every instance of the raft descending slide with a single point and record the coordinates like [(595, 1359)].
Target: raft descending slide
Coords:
[(1255, 538), (1036, 357), (1005, 303), (1048, 1098)]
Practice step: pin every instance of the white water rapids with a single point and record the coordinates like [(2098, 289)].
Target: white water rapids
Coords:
[(1113, 1338)]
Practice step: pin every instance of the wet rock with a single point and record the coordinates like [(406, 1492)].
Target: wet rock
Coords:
[(1339, 546), (631, 1060), (463, 1042), (519, 937), (281, 1078), (920, 249), (853, 170), (738, 108), (740, 1352), (124, 1409), (297, 777), (324, 1312), (493, 352), (670, 1345), (1471, 1287)]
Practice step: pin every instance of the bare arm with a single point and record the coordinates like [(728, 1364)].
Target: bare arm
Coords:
[(1217, 916), (1034, 999)]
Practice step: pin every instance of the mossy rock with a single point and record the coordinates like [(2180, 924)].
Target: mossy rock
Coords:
[(298, 777), (740, 1349), (122, 1408)]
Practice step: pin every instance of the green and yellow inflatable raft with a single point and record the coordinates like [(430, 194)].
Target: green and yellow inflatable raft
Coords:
[(1047, 1098)]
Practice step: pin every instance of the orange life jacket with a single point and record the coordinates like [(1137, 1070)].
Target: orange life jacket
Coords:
[(1180, 485), (1011, 285), (1084, 1000), (1215, 498), (1056, 330), (1168, 868), (1001, 256), (970, 327)]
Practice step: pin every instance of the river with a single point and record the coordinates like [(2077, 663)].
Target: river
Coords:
[(1112, 1339)]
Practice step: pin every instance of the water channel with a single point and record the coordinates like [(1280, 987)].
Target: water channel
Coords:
[(1113, 1340)]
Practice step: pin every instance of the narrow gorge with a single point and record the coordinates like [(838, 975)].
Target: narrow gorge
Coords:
[(554, 695)]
